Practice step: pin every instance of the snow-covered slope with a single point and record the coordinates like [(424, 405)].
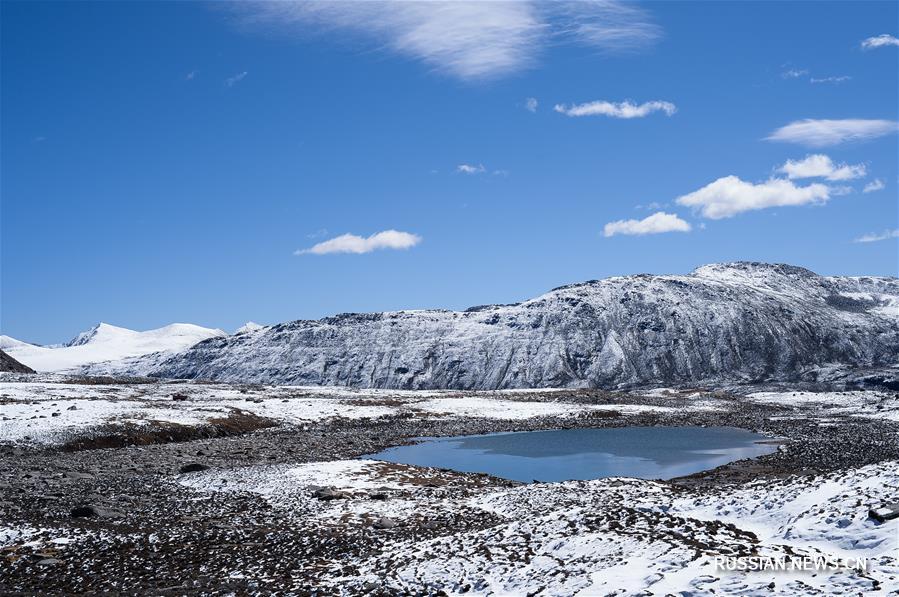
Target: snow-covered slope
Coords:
[(106, 342), (724, 322)]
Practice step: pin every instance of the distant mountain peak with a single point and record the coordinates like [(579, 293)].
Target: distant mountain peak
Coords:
[(101, 331), (106, 342), (250, 326)]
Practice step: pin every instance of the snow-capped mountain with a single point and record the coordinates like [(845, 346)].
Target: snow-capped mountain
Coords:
[(738, 322), (106, 342), (250, 326)]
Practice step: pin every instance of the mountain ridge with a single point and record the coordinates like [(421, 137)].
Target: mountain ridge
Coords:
[(737, 321)]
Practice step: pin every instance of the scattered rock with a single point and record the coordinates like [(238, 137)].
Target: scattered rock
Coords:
[(90, 511), (385, 523), (884, 512), (193, 467), (179, 397), (49, 562), (329, 493)]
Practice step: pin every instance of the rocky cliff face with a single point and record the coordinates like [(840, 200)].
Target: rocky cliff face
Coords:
[(723, 322)]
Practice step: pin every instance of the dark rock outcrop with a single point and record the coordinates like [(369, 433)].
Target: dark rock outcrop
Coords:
[(7, 363)]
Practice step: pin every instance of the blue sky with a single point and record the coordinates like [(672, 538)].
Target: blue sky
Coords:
[(167, 162)]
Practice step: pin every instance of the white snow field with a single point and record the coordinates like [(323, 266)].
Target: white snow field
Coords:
[(106, 342)]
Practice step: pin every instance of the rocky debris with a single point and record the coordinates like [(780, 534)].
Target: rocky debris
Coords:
[(7, 363), (179, 397), (90, 511), (193, 467)]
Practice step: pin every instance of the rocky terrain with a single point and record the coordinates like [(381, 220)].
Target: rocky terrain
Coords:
[(722, 324), (135, 486)]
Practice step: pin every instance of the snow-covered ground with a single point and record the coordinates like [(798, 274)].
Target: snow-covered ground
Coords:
[(429, 530), (106, 342), (48, 412), (609, 536), (51, 412), (882, 405)]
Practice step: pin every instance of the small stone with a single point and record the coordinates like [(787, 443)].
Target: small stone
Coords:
[(49, 562), (385, 523), (327, 494), (90, 511), (179, 397), (193, 467)]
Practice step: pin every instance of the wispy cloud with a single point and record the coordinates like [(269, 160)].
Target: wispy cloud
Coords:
[(470, 169), (191, 75), (835, 80), (624, 109), (821, 166), (793, 73), (350, 243), (880, 41), (232, 81), (651, 205), (318, 233), (822, 133), (875, 237), (729, 196), (530, 104), (469, 40), (875, 185), (655, 224)]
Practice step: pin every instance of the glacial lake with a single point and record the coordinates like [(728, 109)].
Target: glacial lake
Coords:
[(565, 454)]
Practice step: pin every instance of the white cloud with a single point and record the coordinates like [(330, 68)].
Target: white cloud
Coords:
[(350, 243), (821, 166), (874, 185), (880, 41), (232, 81), (530, 104), (624, 109), (469, 169), (654, 224), (729, 196), (190, 76), (470, 40), (841, 79), (821, 133), (874, 237)]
